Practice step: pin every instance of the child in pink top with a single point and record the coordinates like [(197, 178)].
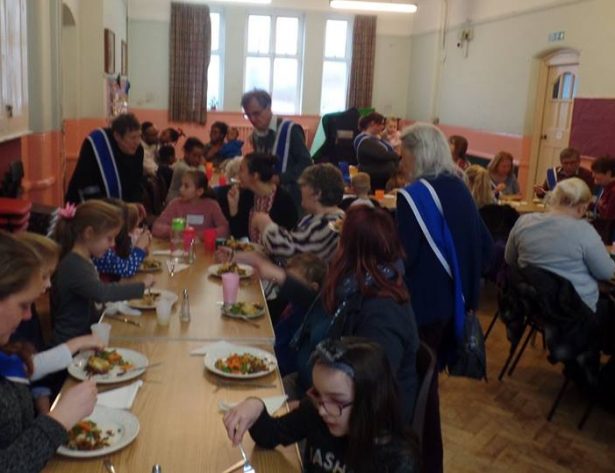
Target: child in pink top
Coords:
[(197, 204)]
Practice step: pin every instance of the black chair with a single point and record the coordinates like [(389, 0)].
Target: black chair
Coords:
[(340, 130), (425, 370)]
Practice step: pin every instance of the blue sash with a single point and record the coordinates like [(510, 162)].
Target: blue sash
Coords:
[(12, 367), (106, 163), (427, 209), (281, 146), (551, 178)]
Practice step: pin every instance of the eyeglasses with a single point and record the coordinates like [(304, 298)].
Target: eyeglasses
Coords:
[(334, 409)]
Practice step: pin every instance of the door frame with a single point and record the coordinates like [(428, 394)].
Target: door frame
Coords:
[(553, 57)]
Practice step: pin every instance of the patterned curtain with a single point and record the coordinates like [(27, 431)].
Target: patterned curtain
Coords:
[(363, 57), (190, 51)]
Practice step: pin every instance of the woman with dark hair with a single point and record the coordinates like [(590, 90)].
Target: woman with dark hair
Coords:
[(375, 156), (363, 295), (256, 193), (350, 417), (322, 189), (26, 442), (170, 136), (459, 148)]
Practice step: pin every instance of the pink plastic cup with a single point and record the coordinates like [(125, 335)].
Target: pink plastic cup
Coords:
[(189, 235), (209, 239), (230, 287)]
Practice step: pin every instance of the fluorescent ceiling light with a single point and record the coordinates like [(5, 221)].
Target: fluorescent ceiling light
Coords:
[(244, 1), (373, 6)]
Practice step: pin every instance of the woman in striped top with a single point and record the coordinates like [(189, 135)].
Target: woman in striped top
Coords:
[(322, 189)]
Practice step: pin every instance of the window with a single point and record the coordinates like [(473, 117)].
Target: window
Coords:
[(216, 64), (273, 60), (13, 68), (565, 87), (336, 66)]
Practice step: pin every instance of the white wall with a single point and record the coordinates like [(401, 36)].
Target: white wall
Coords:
[(494, 87), (148, 31)]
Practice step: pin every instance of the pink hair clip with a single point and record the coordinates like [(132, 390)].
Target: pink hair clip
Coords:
[(68, 211)]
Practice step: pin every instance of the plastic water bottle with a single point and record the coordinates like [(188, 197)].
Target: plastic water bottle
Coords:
[(177, 237)]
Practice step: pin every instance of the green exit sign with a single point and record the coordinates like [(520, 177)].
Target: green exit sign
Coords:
[(557, 36)]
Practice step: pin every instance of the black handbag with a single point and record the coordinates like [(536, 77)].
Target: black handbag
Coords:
[(471, 357)]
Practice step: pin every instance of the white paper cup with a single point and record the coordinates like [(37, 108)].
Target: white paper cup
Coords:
[(163, 311), (102, 331)]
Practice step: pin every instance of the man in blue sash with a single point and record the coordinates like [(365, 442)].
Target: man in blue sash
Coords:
[(570, 160), (110, 163), (277, 136)]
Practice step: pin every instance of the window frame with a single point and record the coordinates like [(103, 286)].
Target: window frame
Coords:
[(272, 55), (220, 53), (349, 19)]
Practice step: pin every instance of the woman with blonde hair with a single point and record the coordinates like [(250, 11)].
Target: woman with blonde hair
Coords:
[(563, 242), (503, 179), (479, 183)]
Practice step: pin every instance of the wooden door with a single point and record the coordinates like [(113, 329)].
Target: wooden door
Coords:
[(561, 89)]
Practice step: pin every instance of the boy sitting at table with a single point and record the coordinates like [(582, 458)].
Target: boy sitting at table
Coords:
[(310, 270), (360, 186)]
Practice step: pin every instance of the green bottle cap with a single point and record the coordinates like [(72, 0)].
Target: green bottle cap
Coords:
[(178, 224)]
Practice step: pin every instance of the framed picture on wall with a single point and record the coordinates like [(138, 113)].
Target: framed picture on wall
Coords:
[(124, 58), (109, 51)]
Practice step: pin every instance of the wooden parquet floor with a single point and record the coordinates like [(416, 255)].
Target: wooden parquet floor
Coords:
[(502, 427)]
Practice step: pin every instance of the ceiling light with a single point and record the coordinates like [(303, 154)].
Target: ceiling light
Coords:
[(373, 6), (244, 1)]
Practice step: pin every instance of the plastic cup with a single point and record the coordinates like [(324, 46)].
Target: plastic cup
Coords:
[(189, 235), (209, 170), (230, 287), (379, 194), (209, 239), (163, 311), (353, 170), (222, 180), (103, 331)]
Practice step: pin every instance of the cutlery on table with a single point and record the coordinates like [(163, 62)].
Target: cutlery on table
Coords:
[(247, 468), (109, 465), (142, 367), (126, 320), (243, 318)]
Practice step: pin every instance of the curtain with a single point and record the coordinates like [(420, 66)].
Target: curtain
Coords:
[(190, 51), (363, 57)]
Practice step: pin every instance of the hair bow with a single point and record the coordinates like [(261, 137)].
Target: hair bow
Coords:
[(68, 211)]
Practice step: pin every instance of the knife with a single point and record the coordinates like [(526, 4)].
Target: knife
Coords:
[(126, 320)]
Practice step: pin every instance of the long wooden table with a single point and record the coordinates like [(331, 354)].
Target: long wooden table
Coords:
[(205, 293), (525, 207), (177, 406)]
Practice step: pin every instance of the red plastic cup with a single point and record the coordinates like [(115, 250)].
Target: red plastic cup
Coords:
[(209, 170), (209, 239), (222, 180), (189, 235), (379, 194)]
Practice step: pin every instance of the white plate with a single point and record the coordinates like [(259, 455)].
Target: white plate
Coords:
[(215, 353), (124, 424), (213, 270), (164, 294), (227, 312), (77, 368)]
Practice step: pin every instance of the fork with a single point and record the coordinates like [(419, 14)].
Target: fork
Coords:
[(247, 468), (109, 465)]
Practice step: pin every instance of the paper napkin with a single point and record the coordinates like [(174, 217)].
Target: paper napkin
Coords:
[(120, 398), (208, 346), (178, 266), (122, 307)]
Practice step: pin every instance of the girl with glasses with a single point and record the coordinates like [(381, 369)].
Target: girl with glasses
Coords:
[(351, 417)]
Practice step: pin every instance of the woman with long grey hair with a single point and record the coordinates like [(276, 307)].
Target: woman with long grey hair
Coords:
[(434, 179)]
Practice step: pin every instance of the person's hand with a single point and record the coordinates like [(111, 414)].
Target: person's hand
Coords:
[(500, 187), (264, 268), (149, 281), (275, 179), (241, 417), (260, 220), (539, 190), (75, 404), (84, 342), (144, 240), (233, 200)]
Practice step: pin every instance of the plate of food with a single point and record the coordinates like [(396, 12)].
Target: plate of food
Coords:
[(150, 265), (105, 431), (240, 362), (247, 310), (217, 270), (111, 365), (238, 245), (151, 298)]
